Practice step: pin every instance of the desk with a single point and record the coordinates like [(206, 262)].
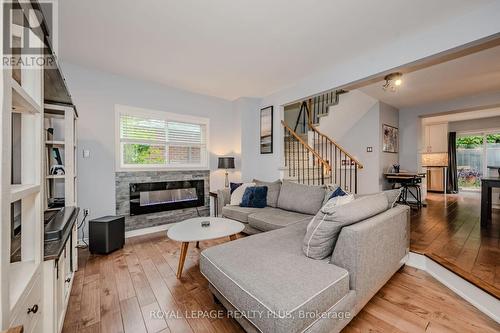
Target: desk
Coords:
[(487, 183), (407, 180), (492, 167)]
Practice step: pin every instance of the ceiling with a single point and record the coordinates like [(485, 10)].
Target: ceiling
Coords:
[(460, 116), (234, 48), (470, 75)]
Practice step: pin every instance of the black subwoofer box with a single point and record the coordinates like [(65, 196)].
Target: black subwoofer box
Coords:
[(106, 234)]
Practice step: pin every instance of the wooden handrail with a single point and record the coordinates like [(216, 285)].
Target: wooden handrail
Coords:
[(311, 150), (313, 128), (18, 329)]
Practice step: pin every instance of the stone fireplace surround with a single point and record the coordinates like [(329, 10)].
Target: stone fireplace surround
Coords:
[(122, 194)]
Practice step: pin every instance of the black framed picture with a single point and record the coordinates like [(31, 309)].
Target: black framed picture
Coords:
[(391, 139), (266, 130)]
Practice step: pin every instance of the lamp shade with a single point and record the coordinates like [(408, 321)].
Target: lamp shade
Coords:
[(226, 162)]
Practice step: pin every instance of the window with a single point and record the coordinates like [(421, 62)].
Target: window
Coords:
[(149, 139), (477, 155)]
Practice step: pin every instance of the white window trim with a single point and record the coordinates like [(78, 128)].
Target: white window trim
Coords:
[(163, 115)]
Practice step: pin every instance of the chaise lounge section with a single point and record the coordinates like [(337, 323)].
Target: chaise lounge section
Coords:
[(277, 288)]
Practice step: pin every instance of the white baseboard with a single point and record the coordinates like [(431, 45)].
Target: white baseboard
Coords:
[(480, 299), (150, 230)]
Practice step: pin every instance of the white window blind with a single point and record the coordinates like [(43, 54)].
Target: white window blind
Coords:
[(136, 129), (185, 133), (146, 141)]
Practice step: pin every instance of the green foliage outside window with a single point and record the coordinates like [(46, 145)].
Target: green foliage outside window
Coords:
[(476, 140), (143, 154)]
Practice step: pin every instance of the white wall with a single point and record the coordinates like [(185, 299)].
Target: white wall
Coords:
[(356, 123), (95, 95), (365, 133), (342, 117), (410, 127), (266, 169), (353, 124), (458, 31)]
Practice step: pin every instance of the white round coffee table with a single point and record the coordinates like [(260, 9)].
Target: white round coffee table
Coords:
[(191, 230)]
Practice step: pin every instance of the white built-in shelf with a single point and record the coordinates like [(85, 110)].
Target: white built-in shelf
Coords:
[(55, 176), (16, 30), (20, 274), (22, 101), (18, 192), (54, 143)]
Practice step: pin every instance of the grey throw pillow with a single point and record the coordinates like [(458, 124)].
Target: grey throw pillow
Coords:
[(273, 191), (392, 196), (301, 198), (324, 229)]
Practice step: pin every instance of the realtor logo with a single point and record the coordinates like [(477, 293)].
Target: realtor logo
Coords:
[(27, 34)]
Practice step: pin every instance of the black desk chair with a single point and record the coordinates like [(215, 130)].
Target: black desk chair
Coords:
[(407, 189), (406, 186)]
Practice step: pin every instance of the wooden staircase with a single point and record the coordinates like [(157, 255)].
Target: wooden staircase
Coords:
[(314, 158)]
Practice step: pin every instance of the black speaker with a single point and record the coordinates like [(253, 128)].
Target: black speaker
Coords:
[(106, 234)]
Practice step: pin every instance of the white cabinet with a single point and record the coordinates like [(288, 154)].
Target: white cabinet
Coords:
[(58, 279), (21, 188), (28, 284), (436, 138), (60, 122), (28, 312)]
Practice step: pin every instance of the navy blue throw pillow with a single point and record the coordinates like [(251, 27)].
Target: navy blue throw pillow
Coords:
[(234, 186), (339, 192), (255, 197)]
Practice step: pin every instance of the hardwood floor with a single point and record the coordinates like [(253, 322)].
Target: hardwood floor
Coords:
[(448, 231), (121, 291)]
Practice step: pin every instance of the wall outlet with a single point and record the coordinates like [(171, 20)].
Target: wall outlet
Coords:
[(86, 211)]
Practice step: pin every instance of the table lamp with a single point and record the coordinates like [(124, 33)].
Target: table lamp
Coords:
[(226, 163)]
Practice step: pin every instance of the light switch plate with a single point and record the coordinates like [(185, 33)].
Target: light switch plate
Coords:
[(369, 149), (86, 153)]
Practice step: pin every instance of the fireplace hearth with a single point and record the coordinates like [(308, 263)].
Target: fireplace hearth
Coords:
[(153, 197), (162, 204)]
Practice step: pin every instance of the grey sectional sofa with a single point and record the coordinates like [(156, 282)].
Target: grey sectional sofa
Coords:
[(276, 288), (288, 203)]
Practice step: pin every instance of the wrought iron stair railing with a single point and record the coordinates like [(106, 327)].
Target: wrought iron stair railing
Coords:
[(339, 167), (303, 163)]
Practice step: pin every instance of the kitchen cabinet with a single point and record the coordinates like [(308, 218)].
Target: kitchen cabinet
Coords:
[(436, 138), (437, 179)]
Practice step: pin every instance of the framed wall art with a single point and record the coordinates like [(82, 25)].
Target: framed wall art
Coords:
[(266, 130), (391, 139)]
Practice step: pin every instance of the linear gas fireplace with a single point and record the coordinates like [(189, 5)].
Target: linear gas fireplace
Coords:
[(155, 197)]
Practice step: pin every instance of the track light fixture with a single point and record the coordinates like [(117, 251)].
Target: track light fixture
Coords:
[(392, 82)]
